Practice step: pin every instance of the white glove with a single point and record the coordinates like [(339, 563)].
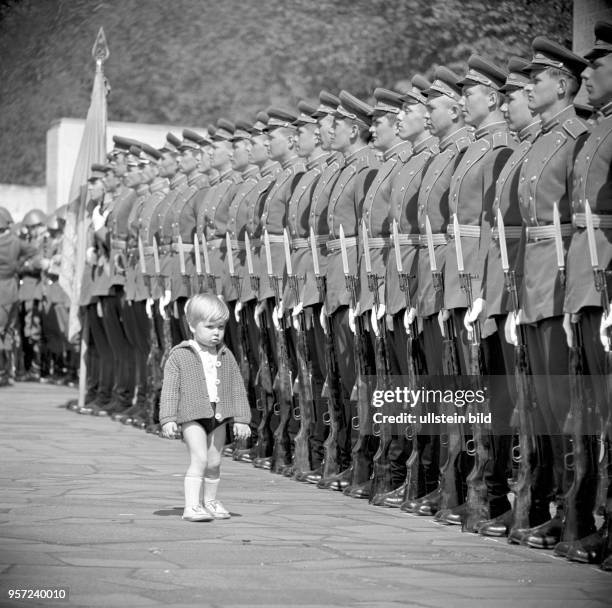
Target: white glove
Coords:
[(351, 320), (149, 307), (375, 315), (98, 219), (512, 320), (323, 319), (276, 316), (237, 310), (259, 308), (90, 256), (477, 311), (443, 316), (567, 328), (163, 303), (297, 309), (409, 317), (606, 322), (99, 309)]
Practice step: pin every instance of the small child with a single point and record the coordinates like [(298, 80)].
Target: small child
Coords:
[(202, 391)]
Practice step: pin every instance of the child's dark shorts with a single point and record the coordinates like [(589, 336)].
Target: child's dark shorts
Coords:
[(210, 424)]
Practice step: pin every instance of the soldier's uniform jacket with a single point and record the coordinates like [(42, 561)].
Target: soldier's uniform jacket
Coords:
[(30, 284), (298, 228), (135, 289), (319, 202), (14, 254), (52, 291), (592, 183), (375, 212), (117, 232), (160, 227), (546, 176), (212, 219), (254, 205), (433, 203), (182, 218), (141, 226), (471, 196), (273, 219), (239, 215), (506, 199), (403, 207), (344, 210)]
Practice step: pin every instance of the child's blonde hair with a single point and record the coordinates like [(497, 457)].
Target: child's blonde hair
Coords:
[(205, 307)]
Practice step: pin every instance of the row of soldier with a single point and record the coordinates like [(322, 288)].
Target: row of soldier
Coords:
[(455, 235)]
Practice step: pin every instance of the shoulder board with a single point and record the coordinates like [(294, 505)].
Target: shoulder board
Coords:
[(575, 127), (501, 139), (462, 143)]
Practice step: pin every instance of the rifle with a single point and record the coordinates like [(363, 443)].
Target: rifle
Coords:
[(381, 466), (448, 494), (166, 327), (182, 269), (281, 453), (361, 463), (267, 370), (331, 387), (305, 412), (200, 276), (522, 418), (477, 503), (211, 279)]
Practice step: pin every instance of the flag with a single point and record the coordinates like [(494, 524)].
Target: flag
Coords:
[(92, 150)]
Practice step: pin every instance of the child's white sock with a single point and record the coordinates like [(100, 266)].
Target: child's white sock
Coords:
[(193, 486), (210, 489)]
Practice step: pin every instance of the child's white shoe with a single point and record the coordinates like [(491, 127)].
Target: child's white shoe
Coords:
[(216, 509), (197, 513)]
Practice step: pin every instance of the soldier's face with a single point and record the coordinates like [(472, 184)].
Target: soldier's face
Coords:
[(149, 173), (119, 165), (204, 161), (133, 177), (240, 158), (306, 141), (188, 161), (279, 144), (411, 121), (475, 104), (96, 190), (111, 181), (168, 165), (439, 117), (341, 134), (598, 80), (221, 154), (516, 110), (542, 91), (325, 128), (383, 132), (259, 151)]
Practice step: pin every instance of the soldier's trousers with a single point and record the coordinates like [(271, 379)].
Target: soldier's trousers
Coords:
[(123, 352), (137, 327), (106, 364), (32, 334)]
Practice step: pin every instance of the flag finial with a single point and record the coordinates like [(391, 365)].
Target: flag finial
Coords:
[(100, 50)]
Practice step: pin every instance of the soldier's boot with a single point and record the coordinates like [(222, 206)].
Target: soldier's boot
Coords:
[(34, 374), (393, 498), (339, 482), (606, 564), (546, 535), (127, 416), (263, 462), (430, 503), (497, 526), (4, 371)]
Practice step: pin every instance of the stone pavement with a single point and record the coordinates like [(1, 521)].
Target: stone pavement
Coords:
[(93, 505)]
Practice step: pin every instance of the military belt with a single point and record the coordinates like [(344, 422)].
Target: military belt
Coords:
[(148, 250), (276, 238), (187, 247), (466, 230), (334, 244), (540, 233), (599, 221), (409, 239), (118, 244), (512, 232), (304, 243), (439, 238), (215, 243), (379, 242)]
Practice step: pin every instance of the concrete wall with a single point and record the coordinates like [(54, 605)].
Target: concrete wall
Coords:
[(20, 199), (586, 13)]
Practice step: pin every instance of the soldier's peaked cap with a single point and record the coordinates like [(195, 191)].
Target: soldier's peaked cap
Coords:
[(133, 156), (279, 117), (354, 109), (149, 153), (191, 140), (518, 74), (327, 103), (444, 83), (171, 144), (482, 71), (549, 54), (603, 41), (97, 172), (261, 122), (243, 130), (387, 101), (415, 94), (123, 144), (225, 130), (307, 114)]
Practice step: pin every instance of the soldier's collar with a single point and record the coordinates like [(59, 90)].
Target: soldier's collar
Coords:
[(270, 169), (428, 143), (193, 178), (159, 184), (142, 190), (530, 131), (226, 175), (178, 180), (394, 150), (317, 161), (606, 110), (290, 162), (353, 155), (251, 171), (449, 140), (500, 125), (559, 117)]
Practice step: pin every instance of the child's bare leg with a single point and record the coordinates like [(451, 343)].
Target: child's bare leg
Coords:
[(212, 473), (196, 440)]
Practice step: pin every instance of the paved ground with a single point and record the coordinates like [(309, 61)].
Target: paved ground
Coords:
[(90, 504)]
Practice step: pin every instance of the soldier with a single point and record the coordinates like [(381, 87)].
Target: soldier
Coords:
[(350, 136), (403, 208), (444, 117), (586, 299), (14, 252), (545, 175)]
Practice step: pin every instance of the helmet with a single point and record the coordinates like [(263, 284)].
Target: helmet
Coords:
[(34, 217), (6, 219), (54, 222)]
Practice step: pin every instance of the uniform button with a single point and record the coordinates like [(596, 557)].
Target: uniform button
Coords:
[(218, 416)]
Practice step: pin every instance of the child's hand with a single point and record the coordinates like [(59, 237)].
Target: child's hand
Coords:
[(169, 430), (241, 430)]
